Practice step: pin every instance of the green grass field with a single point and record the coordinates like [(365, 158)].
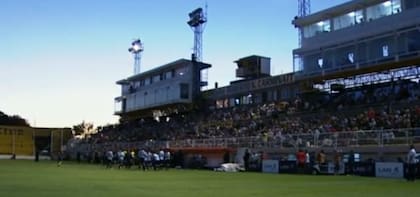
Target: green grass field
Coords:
[(27, 178)]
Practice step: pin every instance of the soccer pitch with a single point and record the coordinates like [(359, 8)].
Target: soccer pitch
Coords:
[(28, 178)]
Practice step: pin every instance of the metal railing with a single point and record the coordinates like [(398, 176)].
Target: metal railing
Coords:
[(377, 138), (335, 139)]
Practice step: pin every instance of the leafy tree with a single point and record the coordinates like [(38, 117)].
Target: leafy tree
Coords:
[(14, 120), (83, 129)]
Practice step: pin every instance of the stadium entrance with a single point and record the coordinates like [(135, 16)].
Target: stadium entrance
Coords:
[(43, 145)]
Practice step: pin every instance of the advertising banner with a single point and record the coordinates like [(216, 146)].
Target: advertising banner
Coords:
[(364, 169), (288, 167), (389, 169), (270, 166)]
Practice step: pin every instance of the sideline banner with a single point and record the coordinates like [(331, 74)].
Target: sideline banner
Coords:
[(331, 168), (364, 169), (288, 167), (389, 169), (270, 166)]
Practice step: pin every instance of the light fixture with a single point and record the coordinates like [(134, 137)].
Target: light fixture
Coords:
[(387, 3), (136, 46)]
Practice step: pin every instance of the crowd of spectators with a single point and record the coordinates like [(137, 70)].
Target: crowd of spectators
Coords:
[(378, 107)]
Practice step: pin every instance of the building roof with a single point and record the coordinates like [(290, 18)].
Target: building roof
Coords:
[(334, 11), (159, 69), (250, 57)]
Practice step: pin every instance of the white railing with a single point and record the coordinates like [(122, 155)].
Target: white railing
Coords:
[(377, 138), (336, 139)]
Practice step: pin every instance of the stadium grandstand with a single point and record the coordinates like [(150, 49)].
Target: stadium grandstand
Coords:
[(355, 87)]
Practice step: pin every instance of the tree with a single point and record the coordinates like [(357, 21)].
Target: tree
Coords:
[(83, 129), (14, 120)]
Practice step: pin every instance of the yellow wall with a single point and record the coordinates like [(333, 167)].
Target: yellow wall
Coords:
[(20, 140), (16, 140)]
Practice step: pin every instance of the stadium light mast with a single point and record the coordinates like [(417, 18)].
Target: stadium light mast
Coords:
[(136, 49), (304, 9), (197, 21)]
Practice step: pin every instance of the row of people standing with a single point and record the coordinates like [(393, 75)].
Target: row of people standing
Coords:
[(145, 160), (305, 163)]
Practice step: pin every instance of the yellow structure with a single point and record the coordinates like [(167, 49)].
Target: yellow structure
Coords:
[(28, 140)]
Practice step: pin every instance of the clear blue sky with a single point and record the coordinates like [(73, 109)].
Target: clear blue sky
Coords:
[(59, 59)]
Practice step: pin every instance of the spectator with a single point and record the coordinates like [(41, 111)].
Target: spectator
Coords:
[(411, 162), (337, 162), (246, 159), (301, 160), (321, 157), (350, 163)]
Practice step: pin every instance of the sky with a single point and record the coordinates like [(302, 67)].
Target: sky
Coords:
[(60, 59)]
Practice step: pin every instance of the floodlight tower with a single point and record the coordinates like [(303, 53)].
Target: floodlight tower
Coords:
[(136, 49), (304, 9), (197, 20)]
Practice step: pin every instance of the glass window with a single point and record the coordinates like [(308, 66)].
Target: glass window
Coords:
[(118, 105), (317, 28), (379, 10), (308, 31), (348, 19), (344, 21), (237, 101), (396, 6), (325, 26), (136, 84), (350, 57), (156, 78), (320, 62), (219, 104), (168, 75), (246, 99), (385, 52), (184, 93), (358, 16)]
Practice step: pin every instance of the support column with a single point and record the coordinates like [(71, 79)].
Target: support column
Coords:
[(61, 141), (51, 143)]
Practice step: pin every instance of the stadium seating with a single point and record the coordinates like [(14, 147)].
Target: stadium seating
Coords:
[(386, 113)]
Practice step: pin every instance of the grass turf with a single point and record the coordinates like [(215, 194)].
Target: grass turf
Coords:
[(27, 178)]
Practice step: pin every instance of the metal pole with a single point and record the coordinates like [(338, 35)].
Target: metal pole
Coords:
[(51, 142), (381, 138), (61, 141)]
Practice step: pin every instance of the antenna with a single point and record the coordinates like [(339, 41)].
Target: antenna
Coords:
[(197, 21), (136, 49), (304, 9)]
